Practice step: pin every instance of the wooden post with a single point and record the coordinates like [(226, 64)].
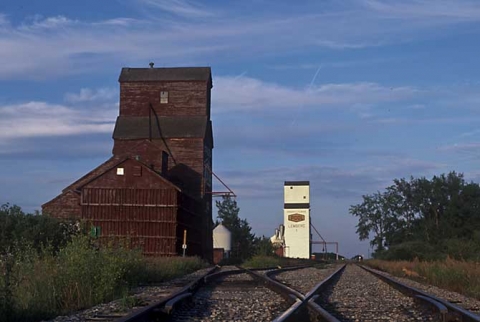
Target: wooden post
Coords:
[(184, 246)]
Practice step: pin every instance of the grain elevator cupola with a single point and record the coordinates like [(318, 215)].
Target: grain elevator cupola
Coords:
[(157, 183)]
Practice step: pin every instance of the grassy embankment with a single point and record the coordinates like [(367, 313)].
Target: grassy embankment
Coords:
[(454, 275), (40, 286)]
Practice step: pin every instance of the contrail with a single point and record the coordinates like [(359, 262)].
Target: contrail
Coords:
[(241, 75), (309, 86), (315, 76)]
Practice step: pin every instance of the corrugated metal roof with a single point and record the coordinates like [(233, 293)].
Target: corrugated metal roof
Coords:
[(165, 74), (137, 127)]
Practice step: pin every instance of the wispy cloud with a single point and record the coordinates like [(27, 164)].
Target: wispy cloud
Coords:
[(3, 20), (440, 9), (36, 119), (123, 22), (179, 7), (38, 23), (327, 181), (45, 47), (88, 94), (470, 133), (462, 147), (244, 93)]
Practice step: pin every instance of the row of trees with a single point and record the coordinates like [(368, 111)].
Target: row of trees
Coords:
[(244, 243), (422, 218)]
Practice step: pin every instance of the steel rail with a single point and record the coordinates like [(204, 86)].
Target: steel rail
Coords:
[(455, 313), (311, 296), (296, 311), (286, 292), (145, 313), (293, 296), (308, 301), (167, 305)]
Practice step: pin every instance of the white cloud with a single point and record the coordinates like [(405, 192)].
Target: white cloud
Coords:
[(50, 22), (52, 46), (37, 119), (327, 181), (441, 9), (179, 7), (87, 94), (462, 147), (3, 20), (124, 22), (470, 133), (236, 93)]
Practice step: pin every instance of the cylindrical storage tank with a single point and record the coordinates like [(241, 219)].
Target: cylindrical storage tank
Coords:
[(222, 238)]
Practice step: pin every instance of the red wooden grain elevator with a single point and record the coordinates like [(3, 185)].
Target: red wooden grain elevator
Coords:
[(158, 182)]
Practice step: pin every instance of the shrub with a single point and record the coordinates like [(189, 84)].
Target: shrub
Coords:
[(462, 249), (44, 285), (409, 251)]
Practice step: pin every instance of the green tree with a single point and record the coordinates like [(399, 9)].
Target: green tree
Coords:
[(263, 246), (422, 217), (242, 238), (374, 217)]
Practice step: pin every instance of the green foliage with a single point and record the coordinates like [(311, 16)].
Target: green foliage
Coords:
[(409, 251), (242, 238), (24, 238), (79, 276), (41, 277), (427, 219), (263, 246), (262, 261), (161, 269), (35, 230)]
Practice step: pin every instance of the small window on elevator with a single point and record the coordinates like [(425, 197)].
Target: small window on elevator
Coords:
[(163, 97)]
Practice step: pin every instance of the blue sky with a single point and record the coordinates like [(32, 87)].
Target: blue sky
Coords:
[(347, 94)]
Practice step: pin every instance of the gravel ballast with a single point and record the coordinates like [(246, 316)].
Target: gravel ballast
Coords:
[(360, 296), (234, 298)]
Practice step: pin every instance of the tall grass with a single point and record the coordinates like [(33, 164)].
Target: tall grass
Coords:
[(159, 269), (43, 285), (454, 275), (261, 261)]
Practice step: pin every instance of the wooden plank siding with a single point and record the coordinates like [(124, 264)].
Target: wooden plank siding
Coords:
[(160, 198), (184, 98)]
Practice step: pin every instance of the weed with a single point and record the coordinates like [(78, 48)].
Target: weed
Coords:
[(44, 285), (454, 275)]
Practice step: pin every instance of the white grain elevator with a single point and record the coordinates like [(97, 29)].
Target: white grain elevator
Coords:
[(296, 219)]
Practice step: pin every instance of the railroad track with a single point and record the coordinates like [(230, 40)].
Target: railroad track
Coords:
[(141, 298), (342, 293), (236, 294), (361, 294), (353, 293)]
